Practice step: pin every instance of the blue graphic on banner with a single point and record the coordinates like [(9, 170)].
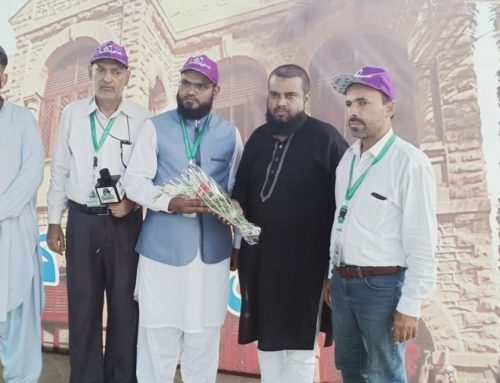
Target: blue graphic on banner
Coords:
[(50, 270), (234, 302)]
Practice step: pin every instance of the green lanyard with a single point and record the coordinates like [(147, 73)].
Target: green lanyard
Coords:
[(109, 125), (191, 150), (353, 188)]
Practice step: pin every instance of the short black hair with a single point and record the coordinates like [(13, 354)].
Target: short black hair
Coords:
[(290, 71), (3, 58)]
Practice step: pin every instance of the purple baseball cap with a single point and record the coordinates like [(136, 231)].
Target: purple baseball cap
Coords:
[(376, 78), (110, 51), (203, 65)]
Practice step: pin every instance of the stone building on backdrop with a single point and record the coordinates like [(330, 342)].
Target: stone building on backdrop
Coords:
[(426, 45)]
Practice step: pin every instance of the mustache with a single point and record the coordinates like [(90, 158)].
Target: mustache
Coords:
[(280, 109), (355, 119)]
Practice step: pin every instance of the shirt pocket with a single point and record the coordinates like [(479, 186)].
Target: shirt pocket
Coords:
[(373, 209), (220, 159), (126, 152)]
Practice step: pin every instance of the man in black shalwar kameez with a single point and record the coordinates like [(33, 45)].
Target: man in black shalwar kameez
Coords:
[(285, 185)]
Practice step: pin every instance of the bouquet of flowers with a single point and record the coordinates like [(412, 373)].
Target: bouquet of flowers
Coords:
[(194, 182)]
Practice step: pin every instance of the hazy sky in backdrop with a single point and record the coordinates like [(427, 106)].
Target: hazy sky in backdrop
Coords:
[(9, 7)]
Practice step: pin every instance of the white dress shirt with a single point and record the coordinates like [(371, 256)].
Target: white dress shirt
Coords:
[(190, 297), (400, 230), (139, 176), (72, 165)]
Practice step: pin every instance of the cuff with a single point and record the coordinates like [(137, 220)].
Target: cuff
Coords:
[(330, 269), (237, 239), (162, 203), (409, 306), (55, 216)]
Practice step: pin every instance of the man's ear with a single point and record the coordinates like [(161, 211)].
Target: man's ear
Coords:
[(216, 90), (128, 76), (307, 96), (390, 109), (3, 80)]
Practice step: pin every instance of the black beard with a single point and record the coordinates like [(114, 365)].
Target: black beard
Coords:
[(285, 128), (194, 114)]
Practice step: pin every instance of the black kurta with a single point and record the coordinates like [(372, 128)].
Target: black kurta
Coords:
[(288, 190)]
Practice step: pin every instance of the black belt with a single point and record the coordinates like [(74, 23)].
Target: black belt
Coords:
[(348, 271), (99, 210)]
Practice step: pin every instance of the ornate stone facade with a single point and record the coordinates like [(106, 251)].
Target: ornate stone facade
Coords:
[(427, 45)]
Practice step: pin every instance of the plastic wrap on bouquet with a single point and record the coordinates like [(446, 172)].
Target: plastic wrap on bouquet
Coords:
[(194, 182)]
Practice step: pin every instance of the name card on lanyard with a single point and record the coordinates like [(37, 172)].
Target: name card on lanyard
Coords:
[(192, 149), (352, 188), (92, 197)]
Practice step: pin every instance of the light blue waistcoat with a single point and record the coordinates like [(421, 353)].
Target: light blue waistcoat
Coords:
[(173, 238)]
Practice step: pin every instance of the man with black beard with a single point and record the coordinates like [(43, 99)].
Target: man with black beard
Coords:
[(182, 279), (285, 185)]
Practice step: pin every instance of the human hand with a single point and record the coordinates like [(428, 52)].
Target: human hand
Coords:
[(187, 206), (235, 257), (326, 292), (236, 204), (55, 238), (122, 208), (404, 327)]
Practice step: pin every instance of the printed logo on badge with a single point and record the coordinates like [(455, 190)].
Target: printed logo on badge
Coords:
[(107, 194), (92, 198)]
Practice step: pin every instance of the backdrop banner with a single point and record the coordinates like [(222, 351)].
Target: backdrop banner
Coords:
[(444, 58)]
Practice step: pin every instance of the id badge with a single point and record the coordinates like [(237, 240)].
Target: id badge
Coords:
[(189, 215), (92, 198), (337, 253)]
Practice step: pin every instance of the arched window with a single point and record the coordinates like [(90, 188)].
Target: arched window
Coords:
[(157, 98), (242, 99), (67, 81), (347, 54)]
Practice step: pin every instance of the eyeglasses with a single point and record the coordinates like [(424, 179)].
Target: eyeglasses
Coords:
[(197, 86)]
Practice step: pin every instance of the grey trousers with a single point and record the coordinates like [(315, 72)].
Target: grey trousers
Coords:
[(101, 259)]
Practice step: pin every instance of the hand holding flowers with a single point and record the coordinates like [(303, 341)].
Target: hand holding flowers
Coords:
[(194, 183)]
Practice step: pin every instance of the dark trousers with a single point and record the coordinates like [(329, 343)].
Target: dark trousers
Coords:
[(101, 259)]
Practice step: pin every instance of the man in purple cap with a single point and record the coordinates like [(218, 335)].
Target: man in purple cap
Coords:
[(182, 280), (383, 237), (98, 133)]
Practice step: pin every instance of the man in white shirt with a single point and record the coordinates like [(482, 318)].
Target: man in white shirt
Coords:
[(183, 275), (21, 159), (97, 133), (383, 238)]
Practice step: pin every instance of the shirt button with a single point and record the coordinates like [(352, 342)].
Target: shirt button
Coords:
[(277, 159), (281, 146), (272, 171)]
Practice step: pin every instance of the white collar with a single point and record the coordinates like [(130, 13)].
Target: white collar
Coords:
[(376, 148)]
